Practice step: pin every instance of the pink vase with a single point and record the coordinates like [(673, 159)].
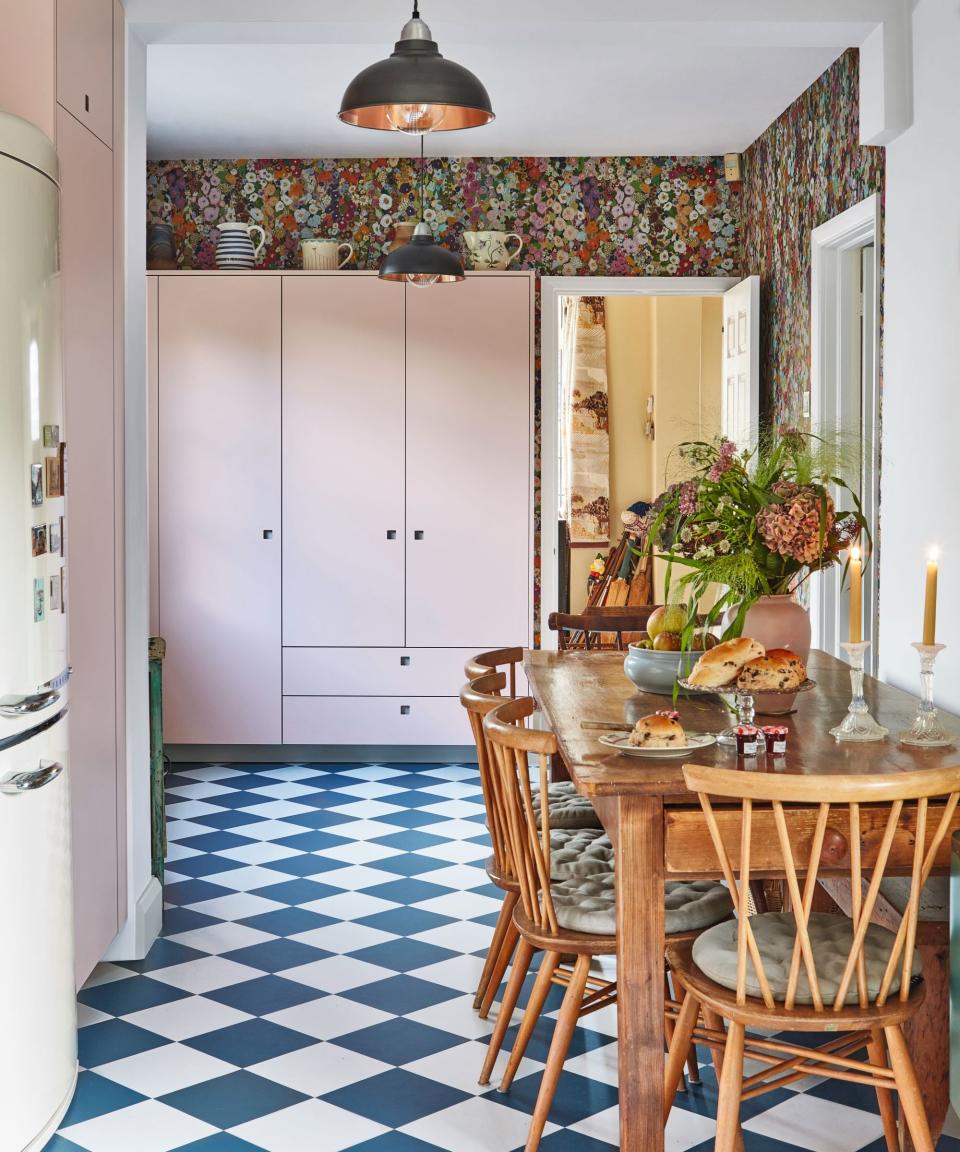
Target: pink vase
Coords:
[(777, 622)]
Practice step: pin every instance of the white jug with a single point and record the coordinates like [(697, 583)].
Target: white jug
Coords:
[(324, 255), (235, 248), (489, 250)]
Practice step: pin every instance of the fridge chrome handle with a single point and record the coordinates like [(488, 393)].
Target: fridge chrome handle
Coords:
[(18, 782), (15, 706)]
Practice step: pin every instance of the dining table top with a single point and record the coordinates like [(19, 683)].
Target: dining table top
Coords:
[(573, 687)]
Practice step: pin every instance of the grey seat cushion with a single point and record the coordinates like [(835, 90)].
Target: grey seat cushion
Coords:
[(586, 903), (934, 898), (579, 852), (568, 809), (715, 954), (693, 904)]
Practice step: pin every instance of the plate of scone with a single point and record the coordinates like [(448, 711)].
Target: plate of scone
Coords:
[(658, 735), (744, 665)]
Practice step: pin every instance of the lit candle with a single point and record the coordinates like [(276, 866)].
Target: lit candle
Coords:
[(930, 600), (856, 595)]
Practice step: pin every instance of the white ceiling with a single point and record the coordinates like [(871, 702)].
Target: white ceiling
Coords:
[(230, 78)]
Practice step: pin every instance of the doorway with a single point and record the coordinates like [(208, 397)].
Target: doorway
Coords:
[(844, 398), (631, 368)]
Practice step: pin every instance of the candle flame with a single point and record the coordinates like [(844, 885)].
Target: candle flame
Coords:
[(855, 552), (933, 553)]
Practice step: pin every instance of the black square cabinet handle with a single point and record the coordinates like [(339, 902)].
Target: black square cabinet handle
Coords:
[(86, 103), (418, 534), (404, 661), (404, 709), (391, 533), (268, 533)]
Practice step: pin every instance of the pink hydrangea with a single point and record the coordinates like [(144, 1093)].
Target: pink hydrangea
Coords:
[(792, 528)]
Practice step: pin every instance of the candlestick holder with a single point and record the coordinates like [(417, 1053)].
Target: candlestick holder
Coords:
[(926, 730), (858, 724)]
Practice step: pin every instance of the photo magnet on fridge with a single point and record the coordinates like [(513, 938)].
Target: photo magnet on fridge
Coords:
[(51, 435), (36, 485), (53, 538), (54, 476), (38, 540), (38, 600), (55, 593)]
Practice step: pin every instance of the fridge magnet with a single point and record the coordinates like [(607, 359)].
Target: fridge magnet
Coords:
[(37, 600), (51, 435), (63, 589), (54, 476), (63, 539), (36, 484), (55, 593), (53, 538), (62, 456), (39, 540)]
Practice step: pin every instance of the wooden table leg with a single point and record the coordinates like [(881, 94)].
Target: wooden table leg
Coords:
[(928, 1041), (640, 944)]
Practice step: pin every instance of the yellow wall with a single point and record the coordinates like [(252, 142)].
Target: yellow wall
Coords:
[(668, 347)]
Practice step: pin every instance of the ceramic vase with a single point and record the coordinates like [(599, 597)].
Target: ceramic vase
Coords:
[(776, 622)]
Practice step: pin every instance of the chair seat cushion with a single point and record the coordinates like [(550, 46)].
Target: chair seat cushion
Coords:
[(693, 904), (715, 954), (586, 903), (568, 809), (579, 852)]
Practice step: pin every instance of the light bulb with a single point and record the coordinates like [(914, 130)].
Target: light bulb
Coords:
[(420, 280), (415, 119)]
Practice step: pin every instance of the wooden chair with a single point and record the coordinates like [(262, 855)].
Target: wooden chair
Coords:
[(484, 662), (535, 914), (847, 977), (595, 629)]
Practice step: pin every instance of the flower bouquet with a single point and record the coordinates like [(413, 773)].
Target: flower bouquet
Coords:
[(753, 523)]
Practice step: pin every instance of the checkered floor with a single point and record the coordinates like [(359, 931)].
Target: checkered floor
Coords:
[(312, 989)]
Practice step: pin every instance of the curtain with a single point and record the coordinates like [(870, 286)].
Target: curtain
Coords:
[(585, 439)]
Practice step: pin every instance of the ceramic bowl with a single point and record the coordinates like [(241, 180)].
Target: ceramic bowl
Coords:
[(656, 671)]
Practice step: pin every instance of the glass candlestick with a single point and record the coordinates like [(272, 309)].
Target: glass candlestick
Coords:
[(926, 731), (743, 704), (858, 724)]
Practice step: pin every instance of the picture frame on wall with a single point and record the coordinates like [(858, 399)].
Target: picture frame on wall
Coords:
[(51, 435), (55, 593), (38, 541), (36, 485), (53, 537), (53, 469), (38, 610)]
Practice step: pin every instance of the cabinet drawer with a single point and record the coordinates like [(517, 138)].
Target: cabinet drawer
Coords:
[(375, 720), (374, 671)]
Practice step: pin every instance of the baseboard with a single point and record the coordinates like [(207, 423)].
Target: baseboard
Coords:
[(143, 926), (321, 753)]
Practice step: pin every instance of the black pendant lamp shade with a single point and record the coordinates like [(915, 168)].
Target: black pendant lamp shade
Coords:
[(422, 261), (415, 90)]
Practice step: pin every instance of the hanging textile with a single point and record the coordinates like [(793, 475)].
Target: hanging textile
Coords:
[(587, 446)]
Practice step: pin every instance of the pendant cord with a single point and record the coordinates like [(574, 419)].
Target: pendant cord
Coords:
[(416, 9), (421, 177)]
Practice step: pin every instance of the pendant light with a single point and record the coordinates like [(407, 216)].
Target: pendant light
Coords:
[(415, 90), (421, 260)]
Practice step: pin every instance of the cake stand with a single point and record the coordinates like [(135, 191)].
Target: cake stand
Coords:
[(741, 701)]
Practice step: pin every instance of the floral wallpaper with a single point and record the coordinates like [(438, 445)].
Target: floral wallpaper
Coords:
[(806, 168), (620, 216)]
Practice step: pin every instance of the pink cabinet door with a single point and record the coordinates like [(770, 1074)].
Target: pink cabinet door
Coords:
[(93, 428), (468, 463), (343, 526), (219, 508), (85, 63)]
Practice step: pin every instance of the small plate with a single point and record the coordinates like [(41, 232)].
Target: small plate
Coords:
[(620, 741)]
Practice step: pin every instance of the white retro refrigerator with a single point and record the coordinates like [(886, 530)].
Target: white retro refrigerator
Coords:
[(38, 1051)]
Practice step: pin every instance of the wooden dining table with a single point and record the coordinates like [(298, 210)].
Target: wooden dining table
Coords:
[(658, 834)]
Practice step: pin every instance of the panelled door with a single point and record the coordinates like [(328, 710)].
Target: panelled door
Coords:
[(468, 463), (343, 420), (219, 508), (740, 409)]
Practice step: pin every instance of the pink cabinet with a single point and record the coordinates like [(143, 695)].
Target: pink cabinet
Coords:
[(219, 534), (343, 424), (92, 559), (469, 463), (28, 58), (85, 63)]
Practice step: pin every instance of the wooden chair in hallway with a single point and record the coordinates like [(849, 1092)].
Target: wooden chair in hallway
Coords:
[(599, 629), (849, 978), (566, 906)]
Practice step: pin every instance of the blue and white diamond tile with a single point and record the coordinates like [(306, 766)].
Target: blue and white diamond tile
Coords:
[(324, 931)]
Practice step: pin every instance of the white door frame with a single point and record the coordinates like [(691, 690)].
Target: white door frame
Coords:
[(833, 315), (552, 288)]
